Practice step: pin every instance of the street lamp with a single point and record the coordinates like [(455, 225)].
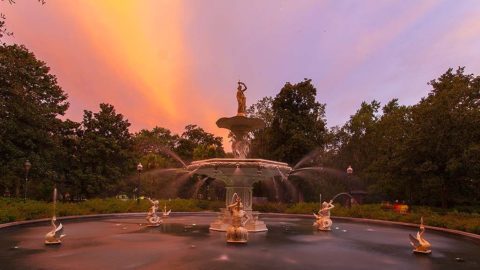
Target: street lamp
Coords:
[(139, 170), (349, 182), (349, 173), (349, 170), (27, 167)]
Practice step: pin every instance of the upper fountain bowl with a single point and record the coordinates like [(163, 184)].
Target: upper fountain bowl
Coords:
[(240, 124)]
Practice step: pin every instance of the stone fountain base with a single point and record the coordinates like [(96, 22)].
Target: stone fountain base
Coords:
[(224, 220), (239, 176)]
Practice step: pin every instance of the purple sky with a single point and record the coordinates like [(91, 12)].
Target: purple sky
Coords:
[(174, 63)]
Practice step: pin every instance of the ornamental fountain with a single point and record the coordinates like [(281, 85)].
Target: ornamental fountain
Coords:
[(239, 173)]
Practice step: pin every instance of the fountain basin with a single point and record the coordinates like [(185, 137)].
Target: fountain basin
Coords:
[(239, 172), (185, 242)]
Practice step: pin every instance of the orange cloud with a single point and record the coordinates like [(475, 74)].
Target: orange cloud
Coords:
[(142, 42)]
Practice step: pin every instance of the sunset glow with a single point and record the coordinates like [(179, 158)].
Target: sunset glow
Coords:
[(173, 63)]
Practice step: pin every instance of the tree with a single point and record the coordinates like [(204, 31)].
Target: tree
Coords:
[(194, 137), (358, 145), (427, 153), (153, 147), (30, 104), (260, 138), (298, 124), (443, 151), (105, 151), (385, 173)]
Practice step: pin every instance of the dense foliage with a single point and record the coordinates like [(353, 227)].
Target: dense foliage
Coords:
[(30, 104), (428, 153), (295, 123)]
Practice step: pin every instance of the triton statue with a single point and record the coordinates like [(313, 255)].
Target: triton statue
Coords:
[(152, 217), (237, 233), (323, 222)]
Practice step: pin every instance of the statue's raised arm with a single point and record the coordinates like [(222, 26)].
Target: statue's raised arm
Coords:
[(244, 86)]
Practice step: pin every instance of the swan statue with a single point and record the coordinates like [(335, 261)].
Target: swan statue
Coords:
[(165, 212), (54, 237), (419, 244)]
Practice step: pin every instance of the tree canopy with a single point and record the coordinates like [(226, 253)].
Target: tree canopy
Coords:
[(30, 129), (295, 123)]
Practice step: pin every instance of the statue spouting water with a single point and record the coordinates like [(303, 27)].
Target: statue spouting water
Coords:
[(237, 233), (240, 146), (152, 217), (54, 237), (419, 244), (241, 99), (323, 222), (165, 212)]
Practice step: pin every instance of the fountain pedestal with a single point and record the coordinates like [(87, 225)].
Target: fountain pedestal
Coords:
[(239, 176), (224, 218)]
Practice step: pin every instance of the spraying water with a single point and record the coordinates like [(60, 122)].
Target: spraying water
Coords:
[(345, 194), (173, 155), (331, 171), (198, 185), (275, 188), (308, 157)]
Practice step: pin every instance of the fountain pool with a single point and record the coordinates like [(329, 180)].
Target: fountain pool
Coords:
[(184, 241)]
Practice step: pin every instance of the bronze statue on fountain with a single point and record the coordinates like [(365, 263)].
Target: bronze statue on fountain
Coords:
[(241, 125)]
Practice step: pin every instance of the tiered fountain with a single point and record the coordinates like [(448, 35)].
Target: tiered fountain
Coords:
[(239, 173)]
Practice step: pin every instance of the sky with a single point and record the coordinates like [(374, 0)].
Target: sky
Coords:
[(174, 63)]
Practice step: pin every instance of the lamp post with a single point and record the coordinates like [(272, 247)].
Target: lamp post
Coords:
[(349, 173), (139, 170), (27, 167), (349, 180)]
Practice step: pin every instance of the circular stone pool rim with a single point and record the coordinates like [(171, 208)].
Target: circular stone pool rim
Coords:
[(264, 215)]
